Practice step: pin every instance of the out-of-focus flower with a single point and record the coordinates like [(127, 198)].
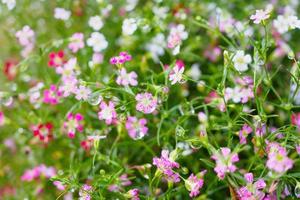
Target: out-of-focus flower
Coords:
[(59, 185), (73, 123), (156, 46), (252, 190), (67, 70), (126, 79), (146, 103), (212, 53), (56, 59), (165, 165), (85, 192), (96, 23), (121, 59), (82, 93), (129, 26), (136, 127), (10, 69), (37, 172), (97, 41), (10, 3), (2, 118), (177, 72), (244, 132), (225, 162), (241, 61), (68, 86), (62, 14), (278, 161), (260, 15), (213, 97), (43, 132), (76, 42), (296, 120), (52, 95), (26, 36), (133, 194), (175, 38), (285, 22), (107, 112)]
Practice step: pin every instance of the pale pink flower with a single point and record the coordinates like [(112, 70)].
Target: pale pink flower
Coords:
[(175, 38), (85, 192), (73, 123), (68, 69), (246, 130), (69, 86), (195, 183), (177, 72), (76, 42), (126, 79), (59, 185), (252, 190), (82, 93), (107, 112), (136, 127), (146, 103), (225, 162), (260, 15), (26, 36)]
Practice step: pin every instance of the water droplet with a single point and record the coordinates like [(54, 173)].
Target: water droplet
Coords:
[(94, 99)]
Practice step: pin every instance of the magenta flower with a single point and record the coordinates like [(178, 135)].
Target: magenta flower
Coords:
[(76, 42), (85, 192), (1, 118), (107, 112), (126, 79), (146, 103), (224, 162), (165, 165), (37, 172), (176, 74), (73, 123), (133, 194), (59, 185), (136, 127), (252, 190), (278, 161), (121, 59), (246, 130), (194, 184), (296, 120), (52, 95)]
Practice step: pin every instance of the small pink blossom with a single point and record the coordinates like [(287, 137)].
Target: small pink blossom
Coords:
[(26, 36), (177, 72), (59, 185), (224, 162), (246, 130), (146, 103), (67, 70), (82, 93), (2, 118), (37, 172), (121, 59), (136, 127), (107, 112), (260, 15), (133, 194), (52, 95), (85, 192), (127, 79), (175, 38), (68, 86), (252, 190), (165, 165), (73, 123), (296, 120), (76, 42), (194, 184)]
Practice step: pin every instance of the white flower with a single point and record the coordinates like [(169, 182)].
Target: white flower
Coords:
[(176, 74), (129, 26), (195, 72), (61, 13), (241, 61), (286, 22), (294, 22), (156, 46), (96, 23), (160, 12), (97, 41), (9, 3), (130, 4)]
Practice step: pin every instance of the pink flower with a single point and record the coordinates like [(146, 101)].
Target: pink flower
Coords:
[(76, 42), (52, 95), (136, 127), (68, 69), (59, 185), (194, 184), (43, 132), (121, 59), (296, 120), (82, 93), (224, 162), (165, 165), (133, 194), (252, 190), (69, 86), (97, 58), (85, 192), (213, 97), (246, 130), (278, 161), (107, 112), (56, 59), (146, 103), (26, 36), (177, 72), (126, 79), (37, 172), (1, 118), (73, 123), (175, 38), (260, 15)]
